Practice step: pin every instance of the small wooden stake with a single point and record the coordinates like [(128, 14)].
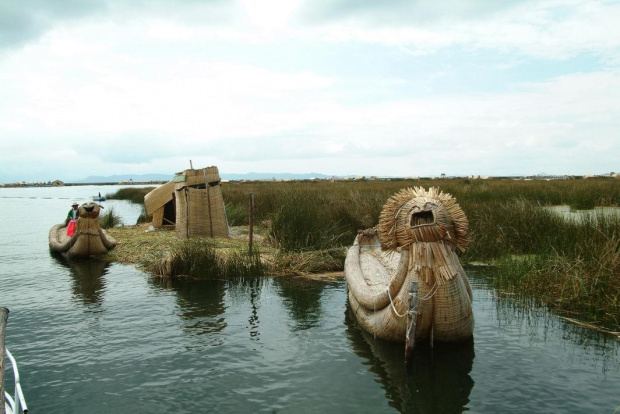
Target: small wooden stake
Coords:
[(251, 223)]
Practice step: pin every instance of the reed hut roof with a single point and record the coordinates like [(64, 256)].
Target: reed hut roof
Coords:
[(189, 178), (158, 197)]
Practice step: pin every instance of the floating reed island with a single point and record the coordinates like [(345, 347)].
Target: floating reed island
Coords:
[(533, 255)]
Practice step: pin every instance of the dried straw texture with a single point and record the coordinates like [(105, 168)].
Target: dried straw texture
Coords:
[(419, 232), (157, 199), (210, 175), (398, 226), (89, 239), (200, 212)]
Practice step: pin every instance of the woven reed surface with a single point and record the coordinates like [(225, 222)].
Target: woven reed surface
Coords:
[(377, 268), (197, 177), (157, 198), (58, 236), (158, 217), (445, 308), (394, 222), (193, 212), (88, 239), (444, 291)]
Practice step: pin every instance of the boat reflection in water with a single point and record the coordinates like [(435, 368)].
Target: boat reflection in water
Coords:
[(437, 380), (88, 282)]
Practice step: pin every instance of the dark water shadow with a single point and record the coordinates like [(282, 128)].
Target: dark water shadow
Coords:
[(240, 289), (437, 380), (87, 273), (526, 319), (302, 298), (200, 305)]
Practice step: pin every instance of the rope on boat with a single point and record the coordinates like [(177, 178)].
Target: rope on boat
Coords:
[(394, 307), (431, 292), (428, 296)]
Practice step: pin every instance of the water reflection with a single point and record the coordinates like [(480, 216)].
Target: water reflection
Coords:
[(438, 380), (303, 299), (239, 290), (527, 320), (597, 213), (87, 274), (201, 307)]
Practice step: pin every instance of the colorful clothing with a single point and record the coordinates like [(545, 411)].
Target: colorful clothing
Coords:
[(72, 216)]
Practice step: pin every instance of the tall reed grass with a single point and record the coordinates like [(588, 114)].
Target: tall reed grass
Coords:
[(572, 266), (132, 194), (199, 259), (109, 219)]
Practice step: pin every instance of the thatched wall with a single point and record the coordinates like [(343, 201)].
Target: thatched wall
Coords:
[(186, 203), (200, 207)]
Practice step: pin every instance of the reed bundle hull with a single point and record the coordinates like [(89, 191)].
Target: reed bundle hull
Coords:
[(416, 240), (89, 239)]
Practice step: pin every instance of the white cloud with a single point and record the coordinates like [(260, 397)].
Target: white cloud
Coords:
[(257, 91)]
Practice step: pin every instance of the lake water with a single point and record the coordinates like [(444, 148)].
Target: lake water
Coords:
[(92, 337), (580, 215)]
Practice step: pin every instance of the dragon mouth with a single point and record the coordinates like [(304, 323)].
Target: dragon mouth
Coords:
[(423, 217), (89, 208)]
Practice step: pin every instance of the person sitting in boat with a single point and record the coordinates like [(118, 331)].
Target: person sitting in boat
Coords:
[(72, 218)]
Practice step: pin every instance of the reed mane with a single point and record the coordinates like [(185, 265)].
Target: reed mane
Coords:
[(394, 229)]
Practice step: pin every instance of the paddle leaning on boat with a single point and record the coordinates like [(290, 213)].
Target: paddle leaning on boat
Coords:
[(88, 240), (405, 280)]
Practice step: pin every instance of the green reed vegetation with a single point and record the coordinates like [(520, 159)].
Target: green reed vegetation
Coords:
[(572, 266), (133, 194), (109, 219), (200, 259)]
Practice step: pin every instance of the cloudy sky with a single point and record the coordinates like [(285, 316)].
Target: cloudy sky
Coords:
[(339, 87)]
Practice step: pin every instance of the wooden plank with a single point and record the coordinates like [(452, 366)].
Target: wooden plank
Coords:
[(4, 315)]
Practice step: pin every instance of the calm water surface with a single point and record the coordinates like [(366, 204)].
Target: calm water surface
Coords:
[(91, 337)]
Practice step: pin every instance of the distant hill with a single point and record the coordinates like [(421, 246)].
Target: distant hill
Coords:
[(125, 177), (167, 177)]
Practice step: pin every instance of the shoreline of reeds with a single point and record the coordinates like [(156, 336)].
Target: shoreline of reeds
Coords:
[(573, 267)]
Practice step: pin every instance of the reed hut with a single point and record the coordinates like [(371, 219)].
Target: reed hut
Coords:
[(192, 202)]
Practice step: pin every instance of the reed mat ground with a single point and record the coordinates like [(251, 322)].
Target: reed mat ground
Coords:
[(148, 250)]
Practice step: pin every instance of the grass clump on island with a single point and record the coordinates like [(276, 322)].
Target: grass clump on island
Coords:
[(109, 219), (574, 267), (162, 253)]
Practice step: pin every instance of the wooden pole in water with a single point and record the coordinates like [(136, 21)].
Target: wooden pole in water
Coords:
[(4, 315), (251, 223), (412, 314)]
